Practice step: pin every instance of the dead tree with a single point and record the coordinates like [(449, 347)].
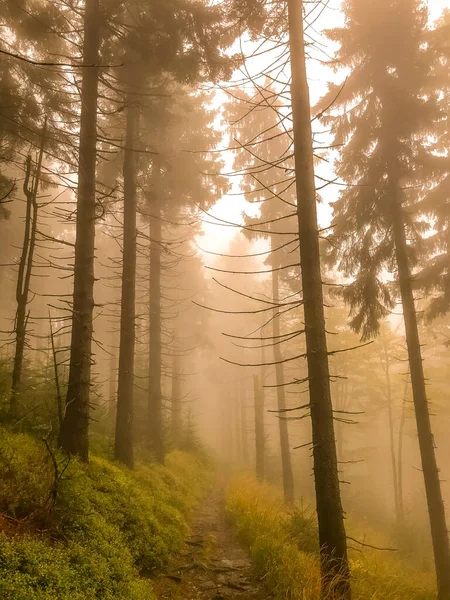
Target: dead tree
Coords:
[(30, 188)]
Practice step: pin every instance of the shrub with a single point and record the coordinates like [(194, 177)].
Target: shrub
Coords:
[(109, 528), (283, 545)]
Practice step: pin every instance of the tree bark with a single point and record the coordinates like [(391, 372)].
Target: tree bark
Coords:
[(75, 430), (436, 510), (286, 463), (259, 427), (123, 446), (176, 408), (154, 392), (332, 536), (25, 270)]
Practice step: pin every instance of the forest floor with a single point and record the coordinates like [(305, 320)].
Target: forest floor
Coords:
[(212, 565)]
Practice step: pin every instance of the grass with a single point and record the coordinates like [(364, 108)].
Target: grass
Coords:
[(94, 531), (284, 547)]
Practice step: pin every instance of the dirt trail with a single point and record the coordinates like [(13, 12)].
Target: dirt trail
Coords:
[(211, 565)]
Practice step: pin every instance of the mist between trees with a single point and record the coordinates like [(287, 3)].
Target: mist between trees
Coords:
[(307, 338)]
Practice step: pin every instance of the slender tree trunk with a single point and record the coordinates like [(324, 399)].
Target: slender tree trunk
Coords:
[(286, 463), (176, 424), (25, 270), (154, 396), (113, 373), (228, 427), (259, 427), (338, 397), (123, 446), (436, 510), (237, 426), (244, 426), (59, 398), (332, 536), (391, 434), (75, 430), (400, 457)]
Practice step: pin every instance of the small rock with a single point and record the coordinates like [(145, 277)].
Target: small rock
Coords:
[(239, 563), (209, 585)]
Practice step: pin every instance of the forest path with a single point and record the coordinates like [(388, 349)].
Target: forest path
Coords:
[(211, 565)]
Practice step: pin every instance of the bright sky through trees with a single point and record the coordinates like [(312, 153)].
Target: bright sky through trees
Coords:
[(230, 208)]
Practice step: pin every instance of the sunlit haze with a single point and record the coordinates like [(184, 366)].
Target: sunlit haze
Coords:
[(224, 300)]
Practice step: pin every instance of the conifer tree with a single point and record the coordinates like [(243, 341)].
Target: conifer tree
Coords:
[(433, 276), (74, 432), (332, 536), (177, 184), (383, 114), (261, 144)]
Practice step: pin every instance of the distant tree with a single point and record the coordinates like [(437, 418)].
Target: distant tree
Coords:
[(258, 399), (177, 186), (260, 145)]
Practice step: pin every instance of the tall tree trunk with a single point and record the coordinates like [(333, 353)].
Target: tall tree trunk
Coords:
[(259, 427), (75, 430), (154, 391), (332, 536), (25, 270), (123, 445), (286, 463), (244, 426), (176, 408), (436, 510)]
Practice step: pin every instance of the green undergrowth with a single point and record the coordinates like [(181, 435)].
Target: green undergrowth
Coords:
[(284, 547), (70, 531)]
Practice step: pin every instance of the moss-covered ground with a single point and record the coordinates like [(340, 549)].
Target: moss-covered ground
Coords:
[(70, 531)]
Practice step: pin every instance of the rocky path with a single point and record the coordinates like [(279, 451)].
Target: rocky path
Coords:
[(211, 565)]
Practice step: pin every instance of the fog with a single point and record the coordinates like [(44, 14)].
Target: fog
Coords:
[(186, 265)]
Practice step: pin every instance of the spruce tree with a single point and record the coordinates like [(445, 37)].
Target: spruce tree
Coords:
[(383, 115), (433, 276), (261, 147), (332, 535)]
